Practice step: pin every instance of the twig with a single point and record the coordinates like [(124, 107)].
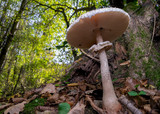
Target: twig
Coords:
[(154, 26), (94, 77), (129, 105), (96, 108), (89, 55)]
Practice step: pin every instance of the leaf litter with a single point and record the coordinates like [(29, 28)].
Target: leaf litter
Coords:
[(135, 96)]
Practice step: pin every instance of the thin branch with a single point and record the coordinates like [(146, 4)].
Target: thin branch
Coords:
[(154, 26), (50, 6), (96, 108), (129, 105), (82, 9), (89, 56)]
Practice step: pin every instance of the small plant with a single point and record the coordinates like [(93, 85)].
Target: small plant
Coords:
[(134, 93), (29, 108), (63, 108)]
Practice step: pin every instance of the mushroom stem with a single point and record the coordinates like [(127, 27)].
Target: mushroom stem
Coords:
[(110, 101)]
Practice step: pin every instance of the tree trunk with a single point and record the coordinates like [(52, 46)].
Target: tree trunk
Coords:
[(138, 37), (8, 38)]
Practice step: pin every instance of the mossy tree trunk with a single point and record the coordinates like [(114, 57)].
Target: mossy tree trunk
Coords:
[(139, 38)]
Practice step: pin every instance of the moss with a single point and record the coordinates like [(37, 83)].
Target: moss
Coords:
[(139, 73), (141, 33), (2, 111), (29, 108), (152, 71)]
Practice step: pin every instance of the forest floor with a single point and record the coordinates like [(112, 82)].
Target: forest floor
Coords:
[(80, 91)]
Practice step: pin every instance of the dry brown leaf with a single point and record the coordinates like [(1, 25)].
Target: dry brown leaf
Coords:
[(78, 109), (5, 106), (147, 107), (27, 94), (38, 90), (89, 92), (131, 83), (83, 87), (44, 108), (144, 82), (32, 98), (62, 98), (17, 100), (157, 100), (73, 92), (71, 100), (16, 108), (125, 63), (50, 88), (120, 50), (46, 112), (91, 86), (148, 91), (72, 84), (53, 98)]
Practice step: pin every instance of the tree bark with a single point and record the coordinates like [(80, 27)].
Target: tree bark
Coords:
[(138, 37), (8, 38)]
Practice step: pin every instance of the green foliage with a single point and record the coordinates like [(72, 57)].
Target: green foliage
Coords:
[(30, 107), (134, 93), (39, 44), (63, 108), (152, 70), (115, 79)]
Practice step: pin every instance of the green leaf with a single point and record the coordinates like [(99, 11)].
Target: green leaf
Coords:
[(136, 86), (57, 85), (142, 93), (114, 80), (132, 93), (63, 108)]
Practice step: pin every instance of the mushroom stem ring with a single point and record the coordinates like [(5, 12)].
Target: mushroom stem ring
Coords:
[(102, 45)]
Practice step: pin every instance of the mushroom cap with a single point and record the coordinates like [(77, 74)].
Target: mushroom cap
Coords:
[(111, 22)]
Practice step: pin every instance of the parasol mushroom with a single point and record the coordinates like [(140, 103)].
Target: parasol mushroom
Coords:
[(96, 30)]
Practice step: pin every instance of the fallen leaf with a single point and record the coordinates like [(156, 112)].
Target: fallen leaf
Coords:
[(27, 94), (89, 92), (90, 86), (82, 87), (16, 108), (78, 109), (63, 98), (120, 50), (44, 108), (46, 112), (72, 84), (125, 63), (156, 99), (50, 88), (71, 100), (73, 92), (17, 100), (53, 98), (32, 98), (147, 107), (131, 83), (5, 106), (148, 91)]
